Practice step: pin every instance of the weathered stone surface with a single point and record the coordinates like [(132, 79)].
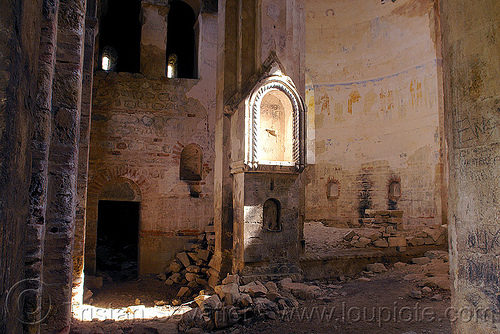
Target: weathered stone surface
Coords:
[(302, 291), (231, 279), (381, 243), (184, 258), (376, 267), (421, 260), (211, 303), (176, 266), (204, 254), (349, 235), (416, 294), (396, 241), (254, 289), (193, 269), (183, 292), (437, 254), (434, 233), (191, 277), (271, 286)]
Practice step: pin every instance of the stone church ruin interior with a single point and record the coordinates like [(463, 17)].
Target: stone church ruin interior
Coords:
[(221, 163)]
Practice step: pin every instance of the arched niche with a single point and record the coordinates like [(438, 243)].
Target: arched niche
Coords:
[(271, 215), (191, 164), (275, 128), (394, 194), (275, 124)]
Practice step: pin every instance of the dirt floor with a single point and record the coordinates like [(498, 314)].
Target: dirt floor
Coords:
[(370, 303)]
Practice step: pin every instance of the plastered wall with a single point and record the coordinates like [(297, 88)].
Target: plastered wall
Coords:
[(140, 124), (373, 104)]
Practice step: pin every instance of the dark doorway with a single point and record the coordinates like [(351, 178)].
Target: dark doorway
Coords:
[(117, 239)]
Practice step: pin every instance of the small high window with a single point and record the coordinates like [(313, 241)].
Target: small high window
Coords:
[(181, 41), (120, 36)]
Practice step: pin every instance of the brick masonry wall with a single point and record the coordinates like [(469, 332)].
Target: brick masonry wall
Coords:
[(139, 127)]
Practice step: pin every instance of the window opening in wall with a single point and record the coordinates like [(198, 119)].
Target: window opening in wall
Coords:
[(181, 39), (117, 239), (120, 36), (109, 59), (272, 215), (172, 66)]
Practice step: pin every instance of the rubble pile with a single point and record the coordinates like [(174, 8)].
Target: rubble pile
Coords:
[(389, 232), (195, 268), (233, 303)]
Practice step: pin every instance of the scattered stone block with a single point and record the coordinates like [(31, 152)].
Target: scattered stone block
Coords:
[(211, 303), (193, 269), (362, 242), (231, 279), (396, 241), (175, 266), (191, 277), (183, 291), (433, 233), (271, 286), (416, 294), (176, 277), (381, 243), (349, 235), (184, 258), (376, 267), (203, 254), (400, 265)]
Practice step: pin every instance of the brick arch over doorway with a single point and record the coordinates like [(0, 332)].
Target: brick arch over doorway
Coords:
[(101, 188)]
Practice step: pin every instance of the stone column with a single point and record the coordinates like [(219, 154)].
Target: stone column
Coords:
[(83, 154), (40, 147), (63, 164), (471, 55)]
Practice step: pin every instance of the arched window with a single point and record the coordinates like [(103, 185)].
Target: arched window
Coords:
[(191, 163), (181, 40), (120, 36)]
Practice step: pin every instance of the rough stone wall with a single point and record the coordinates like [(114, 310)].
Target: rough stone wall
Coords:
[(20, 35), (140, 124), (373, 95), (471, 50)]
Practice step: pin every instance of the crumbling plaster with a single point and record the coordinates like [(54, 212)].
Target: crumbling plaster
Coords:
[(374, 90)]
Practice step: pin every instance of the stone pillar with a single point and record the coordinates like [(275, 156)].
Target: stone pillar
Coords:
[(40, 147), (20, 23), (471, 49), (243, 27), (63, 164), (83, 154)]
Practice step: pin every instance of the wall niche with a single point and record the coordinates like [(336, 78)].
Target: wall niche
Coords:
[(272, 215)]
